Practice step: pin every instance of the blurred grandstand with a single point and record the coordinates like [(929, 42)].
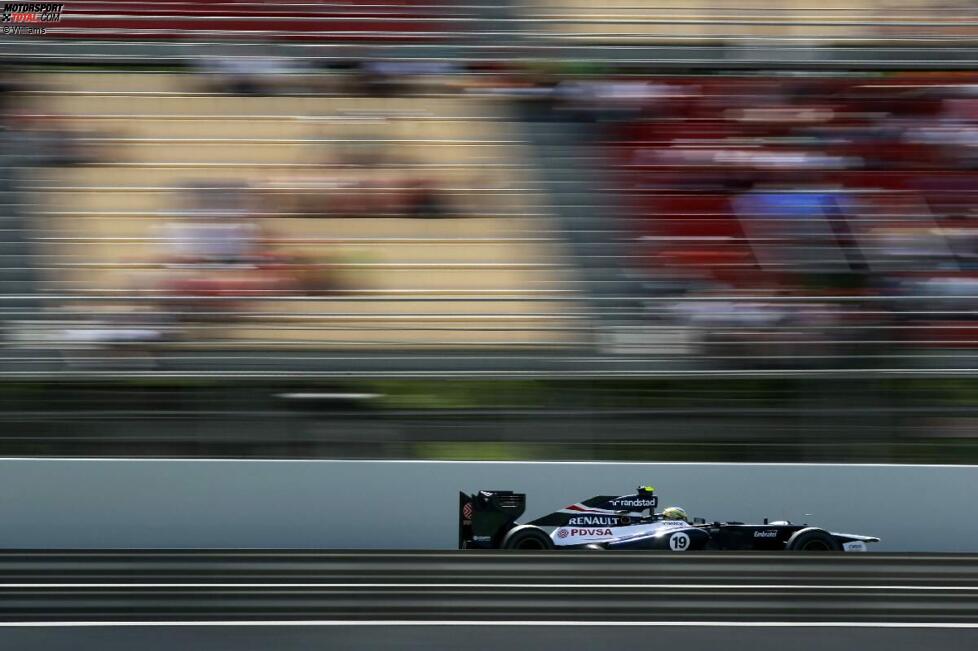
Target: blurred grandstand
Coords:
[(649, 229)]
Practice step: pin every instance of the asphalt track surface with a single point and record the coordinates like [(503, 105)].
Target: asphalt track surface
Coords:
[(242, 600), (438, 638)]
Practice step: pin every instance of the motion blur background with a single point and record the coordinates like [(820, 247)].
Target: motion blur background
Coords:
[(535, 229)]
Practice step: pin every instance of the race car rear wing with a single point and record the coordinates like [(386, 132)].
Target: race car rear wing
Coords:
[(486, 516)]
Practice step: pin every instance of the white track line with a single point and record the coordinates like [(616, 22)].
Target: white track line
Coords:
[(571, 586), (397, 622)]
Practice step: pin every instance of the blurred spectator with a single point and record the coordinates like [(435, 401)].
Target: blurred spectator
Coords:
[(217, 249), (379, 78), (50, 140), (258, 75), (214, 227)]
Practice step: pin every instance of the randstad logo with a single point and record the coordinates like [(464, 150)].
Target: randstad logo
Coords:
[(635, 502)]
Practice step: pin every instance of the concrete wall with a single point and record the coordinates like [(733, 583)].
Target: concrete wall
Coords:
[(65, 503)]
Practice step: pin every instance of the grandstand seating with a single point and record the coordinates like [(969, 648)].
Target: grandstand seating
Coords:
[(729, 21), (473, 270), (851, 180), (349, 20)]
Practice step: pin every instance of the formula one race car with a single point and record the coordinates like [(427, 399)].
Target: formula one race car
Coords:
[(487, 520)]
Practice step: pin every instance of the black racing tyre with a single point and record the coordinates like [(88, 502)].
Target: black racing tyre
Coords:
[(526, 538), (813, 540)]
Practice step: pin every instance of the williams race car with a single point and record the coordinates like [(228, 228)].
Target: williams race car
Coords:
[(487, 520)]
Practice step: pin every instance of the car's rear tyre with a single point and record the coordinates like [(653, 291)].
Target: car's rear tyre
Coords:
[(527, 538), (813, 540)]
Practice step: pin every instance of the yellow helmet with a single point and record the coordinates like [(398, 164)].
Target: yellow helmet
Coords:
[(675, 513)]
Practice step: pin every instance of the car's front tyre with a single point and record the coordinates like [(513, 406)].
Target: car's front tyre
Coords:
[(813, 540)]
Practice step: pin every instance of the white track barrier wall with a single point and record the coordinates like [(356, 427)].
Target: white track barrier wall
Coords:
[(68, 503)]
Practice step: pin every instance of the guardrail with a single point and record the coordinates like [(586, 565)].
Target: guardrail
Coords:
[(562, 586)]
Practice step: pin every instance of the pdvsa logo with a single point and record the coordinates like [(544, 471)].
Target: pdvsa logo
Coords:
[(590, 533)]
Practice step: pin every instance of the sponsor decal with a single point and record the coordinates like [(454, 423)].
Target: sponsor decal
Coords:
[(562, 533), (594, 520), (767, 533), (467, 511), (589, 532), (482, 538), (854, 546), (673, 523), (635, 502)]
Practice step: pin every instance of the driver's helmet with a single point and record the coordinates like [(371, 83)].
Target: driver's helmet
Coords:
[(675, 513)]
